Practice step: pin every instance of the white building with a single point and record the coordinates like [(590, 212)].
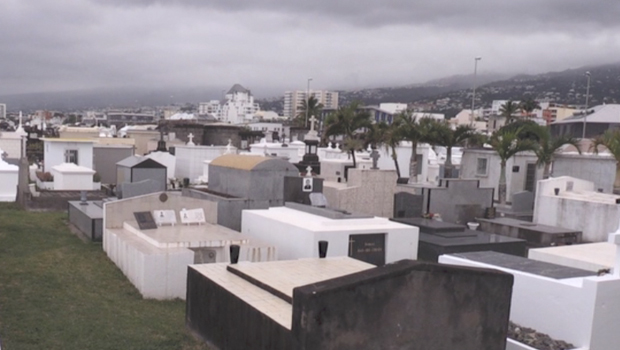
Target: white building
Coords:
[(293, 100), (393, 108), (239, 106), (59, 151), (2, 111), (8, 181)]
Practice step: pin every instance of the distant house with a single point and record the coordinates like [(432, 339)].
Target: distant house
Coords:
[(598, 119)]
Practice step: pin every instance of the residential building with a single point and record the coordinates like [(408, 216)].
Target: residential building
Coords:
[(239, 106), (2, 111), (599, 119), (393, 108), (293, 100)]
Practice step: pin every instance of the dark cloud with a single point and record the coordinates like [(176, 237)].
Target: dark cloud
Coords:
[(271, 46)]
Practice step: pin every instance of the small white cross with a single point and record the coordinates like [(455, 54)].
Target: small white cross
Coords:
[(312, 121), (191, 139), (309, 171)]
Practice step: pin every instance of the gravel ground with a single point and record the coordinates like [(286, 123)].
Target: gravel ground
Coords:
[(536, 340)]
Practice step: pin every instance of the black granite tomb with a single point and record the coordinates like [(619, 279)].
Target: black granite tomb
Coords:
[(536, 235), (438, 238)]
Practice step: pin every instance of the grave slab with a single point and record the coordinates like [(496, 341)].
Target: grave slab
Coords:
[(536, 235)]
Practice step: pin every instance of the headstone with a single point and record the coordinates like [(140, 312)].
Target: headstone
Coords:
[(165, 217), (145, 220), (192, 216), (375, 158), (523, 201)]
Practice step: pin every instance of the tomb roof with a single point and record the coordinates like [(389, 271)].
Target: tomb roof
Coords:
[(73, 168), (251, 162)]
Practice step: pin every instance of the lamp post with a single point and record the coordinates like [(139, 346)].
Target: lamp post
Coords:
[(307, 101), (585, 115), (473, 97)]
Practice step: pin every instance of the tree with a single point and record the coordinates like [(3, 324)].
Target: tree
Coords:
[(310, 107), (350, 122), (442, 134), (610, 140), (547, 146), (389, 136), (528, 106), (508, 110), (506, 143), (414, 131)]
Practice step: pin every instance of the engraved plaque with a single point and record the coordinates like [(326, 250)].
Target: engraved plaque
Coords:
[(145, 220), (369, 248)]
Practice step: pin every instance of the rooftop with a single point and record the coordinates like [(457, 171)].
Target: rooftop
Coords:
[(599, 114)]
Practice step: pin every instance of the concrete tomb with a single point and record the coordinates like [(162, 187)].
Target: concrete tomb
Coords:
[(577, 306), (155, 257), (87, 217), (438, 238), (138, 188), (345, 304), (577, 206), (536, 235), (9, 175), (137, 168), (296, 229)]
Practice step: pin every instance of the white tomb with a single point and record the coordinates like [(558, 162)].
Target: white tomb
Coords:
[(296, 233), (72, 177), (577, 206), (155, 260), (167, 159), (9, 177), (190, 159), (584, 311)]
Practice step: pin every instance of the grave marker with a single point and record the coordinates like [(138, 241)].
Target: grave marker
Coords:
[(165, 217), (192, 216), (145, 220)]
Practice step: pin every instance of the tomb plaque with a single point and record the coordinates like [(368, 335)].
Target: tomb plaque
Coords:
[(165, 217), (145, 220), (192, 216), (369, 248)]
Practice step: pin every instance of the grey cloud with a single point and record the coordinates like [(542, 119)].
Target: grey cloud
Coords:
[(523, 15)]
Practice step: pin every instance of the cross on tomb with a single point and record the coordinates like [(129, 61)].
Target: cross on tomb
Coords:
[(191, 139), (309, 171), (312, 121)]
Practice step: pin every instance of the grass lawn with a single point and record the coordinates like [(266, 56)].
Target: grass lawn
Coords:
[(57, 292)]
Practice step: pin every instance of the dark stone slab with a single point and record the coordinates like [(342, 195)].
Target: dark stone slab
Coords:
[(145, 220), (430, 226), (536, 235), (406, 305), (369, 248), (526, 265)]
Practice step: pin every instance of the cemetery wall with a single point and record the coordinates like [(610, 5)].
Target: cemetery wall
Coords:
[(189, 162), (220, 134), (405, 305), (580, 311), (117, 212), (600, 170)]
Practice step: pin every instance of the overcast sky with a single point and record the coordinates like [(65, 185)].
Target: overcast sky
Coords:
[(274, 45)]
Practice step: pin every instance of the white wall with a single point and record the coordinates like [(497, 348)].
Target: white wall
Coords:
[(8, 184), (189, 160), (72, 181), (54, 153), (583, 209), (582, 311), (12, 146), (295, 242)]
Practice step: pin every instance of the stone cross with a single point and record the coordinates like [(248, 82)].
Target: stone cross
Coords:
[(375, 157), (312, 121), (191, 139), (229, 147), (309, 171)]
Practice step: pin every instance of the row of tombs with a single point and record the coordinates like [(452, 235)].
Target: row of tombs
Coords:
[(260, 267)]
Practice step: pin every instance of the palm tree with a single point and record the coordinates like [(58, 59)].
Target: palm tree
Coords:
[(508, 110), (442, 134), (389, 136), (528, 105), (507, 143), (414, 132), (350, 122), (308, 108), (548, 145), (610, 140)]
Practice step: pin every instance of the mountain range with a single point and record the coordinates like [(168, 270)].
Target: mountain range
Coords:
[(448, 94)]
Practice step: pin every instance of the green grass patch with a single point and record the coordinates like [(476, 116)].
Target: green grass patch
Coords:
[(57, 292)]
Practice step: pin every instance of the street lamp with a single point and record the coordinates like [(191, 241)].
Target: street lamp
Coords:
[(473, 97), (585, 115), (307, 101)]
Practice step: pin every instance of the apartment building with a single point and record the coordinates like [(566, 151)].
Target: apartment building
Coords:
[(293, 100)]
